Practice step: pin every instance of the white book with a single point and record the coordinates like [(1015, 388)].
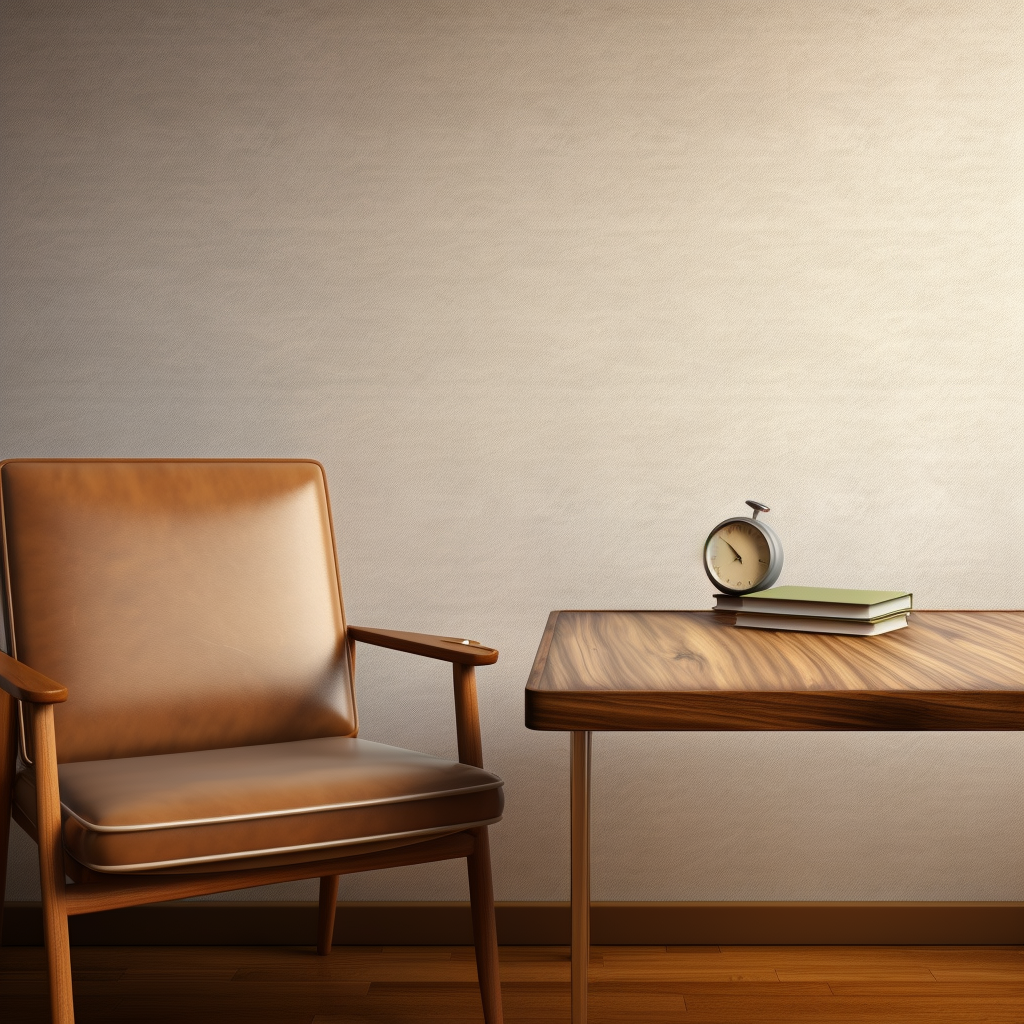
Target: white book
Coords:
[(808, 624)]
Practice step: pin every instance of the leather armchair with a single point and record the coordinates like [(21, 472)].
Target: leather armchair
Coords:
[(180, 686)]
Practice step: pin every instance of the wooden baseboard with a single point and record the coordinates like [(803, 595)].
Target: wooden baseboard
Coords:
[(387, 924)]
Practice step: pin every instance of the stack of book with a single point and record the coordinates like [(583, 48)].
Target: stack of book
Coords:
[(820, 610)]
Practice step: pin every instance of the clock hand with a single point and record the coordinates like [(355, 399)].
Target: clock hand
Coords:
[(739, 557)]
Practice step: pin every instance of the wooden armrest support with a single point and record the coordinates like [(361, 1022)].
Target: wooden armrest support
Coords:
[(444, 648), (464, 655), (24, 683)]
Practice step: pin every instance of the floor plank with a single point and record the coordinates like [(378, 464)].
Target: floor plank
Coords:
[(403, 985)]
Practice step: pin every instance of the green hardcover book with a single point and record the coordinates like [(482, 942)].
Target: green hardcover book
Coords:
[(823, 602)]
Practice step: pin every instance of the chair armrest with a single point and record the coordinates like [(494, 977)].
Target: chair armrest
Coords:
[(24, 683), (444, 648)]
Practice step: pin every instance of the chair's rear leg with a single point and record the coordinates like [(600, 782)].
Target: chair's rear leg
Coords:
[(328, 906), (485, 932)]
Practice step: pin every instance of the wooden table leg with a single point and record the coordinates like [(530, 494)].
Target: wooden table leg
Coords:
[(579, 786)]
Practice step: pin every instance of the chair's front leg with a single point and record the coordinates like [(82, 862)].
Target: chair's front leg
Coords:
[(51, 865), (481, 890), (485, 932)]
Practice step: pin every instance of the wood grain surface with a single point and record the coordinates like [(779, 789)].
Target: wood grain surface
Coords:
[(437, 984), (665, 670)]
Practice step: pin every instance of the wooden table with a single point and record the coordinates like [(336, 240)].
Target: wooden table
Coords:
[(622, 670)]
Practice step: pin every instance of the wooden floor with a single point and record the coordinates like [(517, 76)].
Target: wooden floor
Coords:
[(637, 984)]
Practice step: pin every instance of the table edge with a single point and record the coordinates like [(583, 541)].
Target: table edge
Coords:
[(778, 711)]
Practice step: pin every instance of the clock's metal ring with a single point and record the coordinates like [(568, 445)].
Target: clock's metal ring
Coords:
[(774, 556)]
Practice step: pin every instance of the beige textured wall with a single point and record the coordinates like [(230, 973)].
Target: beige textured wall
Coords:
[(551, 288)]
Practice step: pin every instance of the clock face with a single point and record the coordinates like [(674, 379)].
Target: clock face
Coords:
[(737, 555)]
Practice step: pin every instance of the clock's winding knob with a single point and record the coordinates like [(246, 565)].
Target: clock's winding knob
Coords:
[(758, 506)]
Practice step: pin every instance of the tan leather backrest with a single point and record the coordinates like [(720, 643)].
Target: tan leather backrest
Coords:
[(186, 605)]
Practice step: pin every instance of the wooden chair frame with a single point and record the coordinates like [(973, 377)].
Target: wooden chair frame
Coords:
[(94, 892)]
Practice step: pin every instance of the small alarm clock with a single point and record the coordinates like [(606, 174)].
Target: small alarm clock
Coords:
[(743, 554)]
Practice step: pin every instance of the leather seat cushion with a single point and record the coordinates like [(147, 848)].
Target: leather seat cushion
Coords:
[(165, 811)]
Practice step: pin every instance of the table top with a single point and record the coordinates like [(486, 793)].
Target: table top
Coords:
[(682, 670)]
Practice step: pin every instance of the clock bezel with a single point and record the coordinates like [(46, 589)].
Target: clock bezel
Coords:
[(774, 557)]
